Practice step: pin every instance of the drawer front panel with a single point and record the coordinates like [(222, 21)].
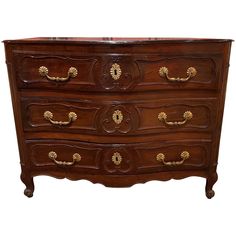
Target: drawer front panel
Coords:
[(112, 118), (179, 73), (40, 71), (119, 119), (117, 72), (46, 154), (43, 115), (177, 115), (172, 156), (119, 158)]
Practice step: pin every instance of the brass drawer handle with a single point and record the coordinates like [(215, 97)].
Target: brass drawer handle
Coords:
[(49, 115), (115, 71), (117, 158), (72, 72), (162, 116), (191, 72), (53, 156), (161, 157)]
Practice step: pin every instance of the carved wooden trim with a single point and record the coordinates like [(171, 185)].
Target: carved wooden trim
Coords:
[(128, 124), (128, 79)]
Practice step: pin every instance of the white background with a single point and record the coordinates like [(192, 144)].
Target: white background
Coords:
[(62, 207)]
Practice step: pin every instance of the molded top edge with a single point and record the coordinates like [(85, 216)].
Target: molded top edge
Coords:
[(107, 40)]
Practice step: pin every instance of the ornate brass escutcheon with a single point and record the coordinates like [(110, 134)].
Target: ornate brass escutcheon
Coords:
[(116, 158), (117, 116), (115, 71)]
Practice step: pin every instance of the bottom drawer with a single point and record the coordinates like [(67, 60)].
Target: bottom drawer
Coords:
[(94, 158)]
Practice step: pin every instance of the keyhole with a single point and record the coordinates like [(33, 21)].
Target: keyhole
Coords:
[(117, 117), (115, 72), (117, 159)]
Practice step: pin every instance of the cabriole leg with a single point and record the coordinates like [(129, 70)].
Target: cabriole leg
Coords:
[(29, 183), (211, 180)]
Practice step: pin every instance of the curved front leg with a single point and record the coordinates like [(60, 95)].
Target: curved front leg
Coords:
[(29, 183), (211, 180)]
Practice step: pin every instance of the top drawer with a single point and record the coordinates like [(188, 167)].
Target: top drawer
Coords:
[(104, 72)]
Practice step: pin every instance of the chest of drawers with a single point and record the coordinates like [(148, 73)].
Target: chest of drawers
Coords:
[(118, 111)]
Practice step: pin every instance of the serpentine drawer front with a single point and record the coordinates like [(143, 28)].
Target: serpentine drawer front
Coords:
[(114, 158), (125, 117), (116, 73), (118, 111)]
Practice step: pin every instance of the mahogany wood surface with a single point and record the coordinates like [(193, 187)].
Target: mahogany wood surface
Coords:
[(122, 153)]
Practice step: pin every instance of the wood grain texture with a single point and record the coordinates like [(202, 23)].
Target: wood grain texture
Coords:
[(139, 94)]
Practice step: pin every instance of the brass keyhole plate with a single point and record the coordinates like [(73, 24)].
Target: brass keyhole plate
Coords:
[(115, 71), (117, 116), (117, 158)]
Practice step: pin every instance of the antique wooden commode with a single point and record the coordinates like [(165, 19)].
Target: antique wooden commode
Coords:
[(118, 111)]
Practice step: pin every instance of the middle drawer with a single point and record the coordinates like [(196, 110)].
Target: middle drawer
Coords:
[(118, 118)]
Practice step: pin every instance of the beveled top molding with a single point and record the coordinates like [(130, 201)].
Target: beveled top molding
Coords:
[(109, 40)]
